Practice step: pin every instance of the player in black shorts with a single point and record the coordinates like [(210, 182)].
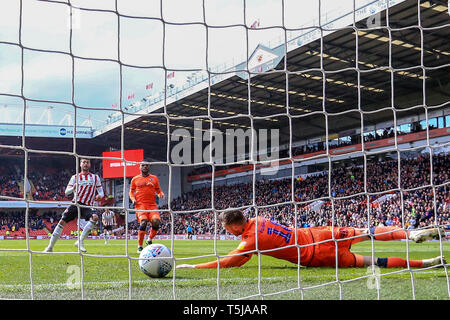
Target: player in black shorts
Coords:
[(71, 213)]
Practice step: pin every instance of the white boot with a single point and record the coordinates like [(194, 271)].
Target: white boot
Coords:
[(426, 234), (82, 248), (433, 261)]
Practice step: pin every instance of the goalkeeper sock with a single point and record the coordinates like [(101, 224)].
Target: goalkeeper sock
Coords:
[(86, 230), (55, 235), (392, 235), (394, 262), (141, 236)]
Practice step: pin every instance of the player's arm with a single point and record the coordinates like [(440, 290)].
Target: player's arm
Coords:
[(99, 188), (158, 190), (227, 262), (70, 186), (132, 191), (236, 258)]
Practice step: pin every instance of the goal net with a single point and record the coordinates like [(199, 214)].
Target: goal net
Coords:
[(322, 114)]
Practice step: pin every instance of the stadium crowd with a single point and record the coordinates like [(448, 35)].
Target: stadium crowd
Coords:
[(51, 184), (350, 205), (43, 182), (14, 221), (9, 182)]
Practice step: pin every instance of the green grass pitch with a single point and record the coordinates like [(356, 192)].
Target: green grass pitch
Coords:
[(116, 277)]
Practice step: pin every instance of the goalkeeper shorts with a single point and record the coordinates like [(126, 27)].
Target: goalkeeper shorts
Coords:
[(325, 253)]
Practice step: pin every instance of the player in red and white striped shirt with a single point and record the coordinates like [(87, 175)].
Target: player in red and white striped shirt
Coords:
[(109, 220), (87, 188)]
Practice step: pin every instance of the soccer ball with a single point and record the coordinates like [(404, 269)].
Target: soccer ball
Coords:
[(155, 260)]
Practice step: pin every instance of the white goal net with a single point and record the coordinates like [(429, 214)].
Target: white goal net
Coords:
[(308, 114)]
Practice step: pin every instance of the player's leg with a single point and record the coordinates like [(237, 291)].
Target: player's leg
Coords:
[(103, 234), (156, 223), (143, 218), (394, 233), (91, 222), (55, 235), (67, 216), (397, 233), (106, 234), (349, 259), (141, 233), (88, 227), (380, 233), (155, 220), (395, 262)]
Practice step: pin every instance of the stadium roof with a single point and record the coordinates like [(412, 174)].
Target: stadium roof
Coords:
[(387, 64), (303, 78)]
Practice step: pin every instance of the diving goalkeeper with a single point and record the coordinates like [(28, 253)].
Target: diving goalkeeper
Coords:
[(317, 247)]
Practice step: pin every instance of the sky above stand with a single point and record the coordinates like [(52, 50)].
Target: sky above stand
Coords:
[(184, 36)]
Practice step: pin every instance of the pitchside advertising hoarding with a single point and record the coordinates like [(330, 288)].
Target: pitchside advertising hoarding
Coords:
[(115, 168), (45, 131)]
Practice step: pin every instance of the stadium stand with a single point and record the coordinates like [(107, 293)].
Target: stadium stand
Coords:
[(346, 181), (352, 140)]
